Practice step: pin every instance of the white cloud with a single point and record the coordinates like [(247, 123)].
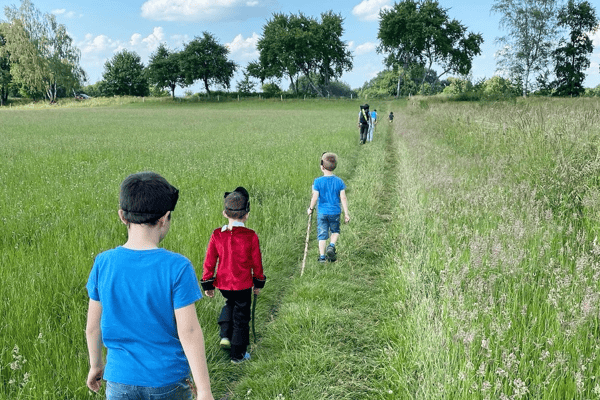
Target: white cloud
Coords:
[(244, 49), (63, 12), (192, 10), (365, 48), (155, 38), (97, 44), (368, 10), (596, 38), (136, 39)]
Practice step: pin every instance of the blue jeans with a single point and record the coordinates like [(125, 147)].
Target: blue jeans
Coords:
[(326, 223), (176, 391)]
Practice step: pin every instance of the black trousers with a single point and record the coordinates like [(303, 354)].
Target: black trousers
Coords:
[(364, 129), (235, 320)]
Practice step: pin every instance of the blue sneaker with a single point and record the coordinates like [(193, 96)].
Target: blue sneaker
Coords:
[(241, 360), (322, 259)]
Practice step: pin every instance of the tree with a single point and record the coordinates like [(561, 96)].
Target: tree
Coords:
[(573, 56), (333, 88), (205, 59), (42, 55), (164, 69), (5, 76), (246, 86), (528, 45), (124, 76), (296, 44), (421, 33)]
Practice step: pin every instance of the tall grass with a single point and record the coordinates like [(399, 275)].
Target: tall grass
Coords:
[(497, 246), (61, 169)]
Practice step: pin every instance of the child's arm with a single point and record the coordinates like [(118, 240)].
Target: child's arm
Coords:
[(210, 263), (258, 276), (93, 335), (313, 202), (344, 201), (192, 341)]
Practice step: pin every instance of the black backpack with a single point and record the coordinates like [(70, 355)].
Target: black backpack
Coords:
[(365, 115)]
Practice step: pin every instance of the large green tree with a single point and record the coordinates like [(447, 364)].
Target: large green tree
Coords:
[(124, 76), (573, 55), (5, 76), (164, 69), (297, 44), (42, 54), (205, 59), (421, 33), (528, 45)]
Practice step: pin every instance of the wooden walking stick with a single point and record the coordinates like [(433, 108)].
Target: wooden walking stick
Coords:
[(306, 244)]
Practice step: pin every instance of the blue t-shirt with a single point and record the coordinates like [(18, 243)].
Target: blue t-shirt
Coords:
[(329, 188), (139, 291), (373, 115)]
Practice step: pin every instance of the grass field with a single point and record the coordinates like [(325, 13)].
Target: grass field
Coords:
[(469, 270)]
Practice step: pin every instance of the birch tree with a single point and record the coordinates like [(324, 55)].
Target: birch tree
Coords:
[(527, 47)]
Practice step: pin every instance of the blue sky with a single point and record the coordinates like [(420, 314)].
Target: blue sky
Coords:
[(102, 28)]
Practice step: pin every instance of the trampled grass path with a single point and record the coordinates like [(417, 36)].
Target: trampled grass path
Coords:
[(336, 333)]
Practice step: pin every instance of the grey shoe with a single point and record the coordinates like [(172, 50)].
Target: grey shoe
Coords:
[(331, 256)]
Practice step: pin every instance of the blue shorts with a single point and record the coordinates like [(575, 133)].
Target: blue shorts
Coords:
[(180, 391), (327, 223)]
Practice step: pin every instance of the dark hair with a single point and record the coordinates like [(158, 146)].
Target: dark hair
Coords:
[(237, 203), (329, 161), (145, 197)]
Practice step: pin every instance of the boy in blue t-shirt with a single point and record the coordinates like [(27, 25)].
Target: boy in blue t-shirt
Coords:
[(141, 304), (329, 191)]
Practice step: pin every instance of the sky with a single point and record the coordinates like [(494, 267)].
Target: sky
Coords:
[(102, 28)]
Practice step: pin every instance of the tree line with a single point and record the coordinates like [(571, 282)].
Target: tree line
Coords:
[(547, 48)]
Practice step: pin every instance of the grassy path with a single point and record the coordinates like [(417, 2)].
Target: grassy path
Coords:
[(337, 333)]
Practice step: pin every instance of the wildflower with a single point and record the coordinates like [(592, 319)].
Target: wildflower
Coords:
[(485, 386), (520, 388)]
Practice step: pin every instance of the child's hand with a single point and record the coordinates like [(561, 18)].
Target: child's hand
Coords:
[(94, 379), (256, 291), (210, 293), (346, 218), (309, 211)]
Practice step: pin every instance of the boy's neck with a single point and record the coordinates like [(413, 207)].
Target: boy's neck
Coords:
[(142, 237), (236, 222), (327, 172)]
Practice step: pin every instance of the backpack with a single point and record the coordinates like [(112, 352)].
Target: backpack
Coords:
[(364, 116)]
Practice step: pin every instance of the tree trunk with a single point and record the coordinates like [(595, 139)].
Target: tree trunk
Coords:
[(313, 86), (206, 86)]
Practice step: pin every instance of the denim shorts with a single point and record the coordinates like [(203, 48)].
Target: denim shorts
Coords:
[(326, 224), (177, 391)]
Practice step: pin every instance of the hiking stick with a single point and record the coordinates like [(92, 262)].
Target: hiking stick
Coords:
[(306, 244), (253, 313)]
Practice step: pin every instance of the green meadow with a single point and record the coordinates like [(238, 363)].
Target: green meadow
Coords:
[(469, 269)]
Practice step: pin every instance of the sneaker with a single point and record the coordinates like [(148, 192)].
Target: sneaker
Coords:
[(331, 253), (322, 259), (225, 343), (241, 360)]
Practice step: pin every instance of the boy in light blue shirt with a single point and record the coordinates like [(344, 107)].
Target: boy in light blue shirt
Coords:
[(329, 191), (141, 305)]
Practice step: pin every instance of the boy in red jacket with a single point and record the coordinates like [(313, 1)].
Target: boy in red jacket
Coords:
[(240, 270)]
